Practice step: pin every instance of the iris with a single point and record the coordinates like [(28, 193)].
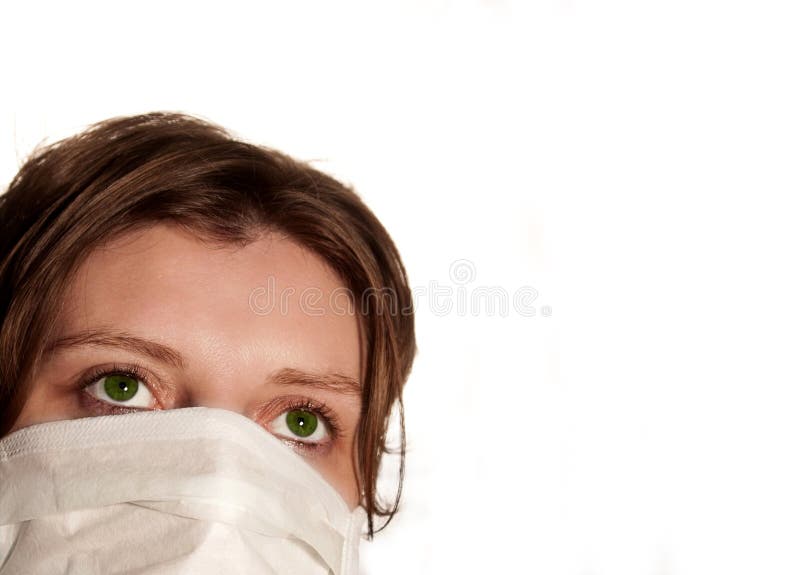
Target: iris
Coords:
[(120, 387), (300, 422)]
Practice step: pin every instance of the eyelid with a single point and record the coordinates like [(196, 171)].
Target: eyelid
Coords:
[(132, 370), (323, 427), (280, 405)]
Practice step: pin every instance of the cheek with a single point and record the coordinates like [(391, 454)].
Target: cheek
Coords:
[(339, 469)]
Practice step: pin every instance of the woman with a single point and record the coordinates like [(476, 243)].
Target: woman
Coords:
[(156, 263)]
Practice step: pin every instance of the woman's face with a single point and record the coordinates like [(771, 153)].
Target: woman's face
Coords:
[(157, 319)]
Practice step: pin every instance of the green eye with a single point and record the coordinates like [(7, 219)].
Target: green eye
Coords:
[(300, 422), (120, 387)]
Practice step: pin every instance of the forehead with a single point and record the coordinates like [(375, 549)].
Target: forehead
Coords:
[(272, 301)]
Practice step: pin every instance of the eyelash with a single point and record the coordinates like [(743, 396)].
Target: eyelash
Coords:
[(138, 372), (330, 419), (133, 370)]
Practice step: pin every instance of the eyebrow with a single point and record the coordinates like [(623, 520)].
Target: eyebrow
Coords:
[(104, 337), (333, 382)]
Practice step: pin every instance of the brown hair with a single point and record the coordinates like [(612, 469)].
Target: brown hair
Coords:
[(129, 172)]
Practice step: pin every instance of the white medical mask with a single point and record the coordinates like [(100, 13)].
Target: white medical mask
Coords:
[(196, 490)]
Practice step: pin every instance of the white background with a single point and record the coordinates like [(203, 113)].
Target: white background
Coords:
[(636, 162)]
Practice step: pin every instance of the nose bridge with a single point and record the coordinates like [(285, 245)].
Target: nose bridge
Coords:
[(215, 396), (220, 385)]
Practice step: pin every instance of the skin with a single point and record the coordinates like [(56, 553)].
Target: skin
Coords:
[(167, 286)]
